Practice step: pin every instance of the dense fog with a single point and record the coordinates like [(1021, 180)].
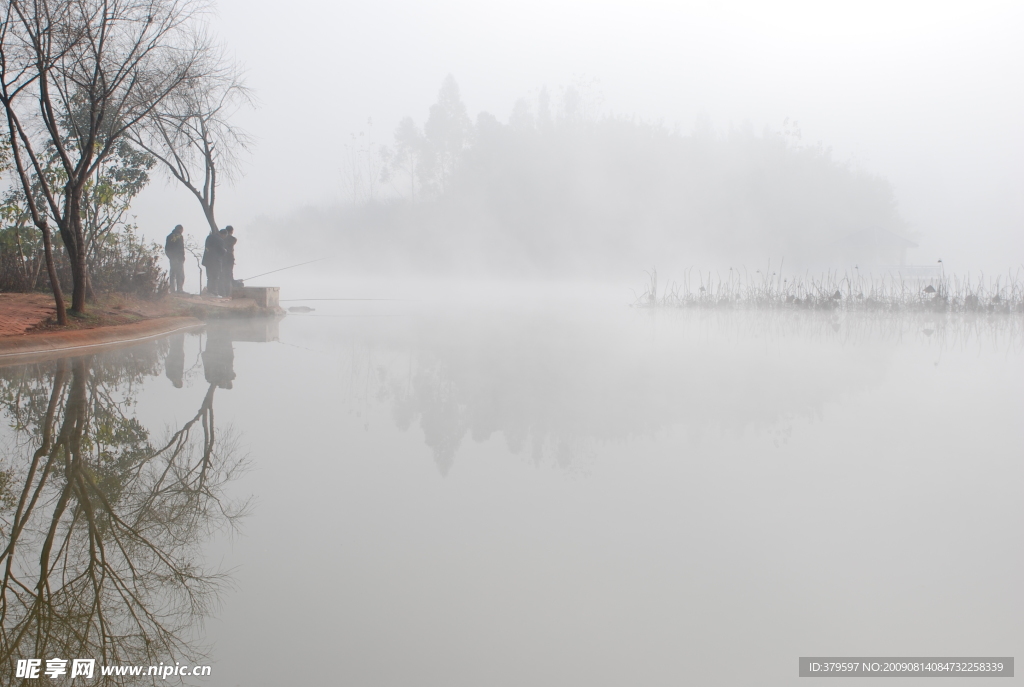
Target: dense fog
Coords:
[(548, 343), (563, 192), (607, 139)]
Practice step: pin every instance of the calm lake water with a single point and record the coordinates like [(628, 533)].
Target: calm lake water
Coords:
[(406, 494)]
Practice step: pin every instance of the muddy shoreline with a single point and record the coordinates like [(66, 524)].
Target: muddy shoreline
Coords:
[(117, 323)]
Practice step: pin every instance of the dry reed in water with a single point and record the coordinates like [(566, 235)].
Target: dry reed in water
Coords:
[(765, 290)]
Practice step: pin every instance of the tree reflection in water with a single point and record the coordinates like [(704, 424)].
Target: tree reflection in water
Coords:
[(557, 387), (101, 525)]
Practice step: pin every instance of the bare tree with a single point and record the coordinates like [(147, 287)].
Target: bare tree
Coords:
[(75, 76), (191, 132)]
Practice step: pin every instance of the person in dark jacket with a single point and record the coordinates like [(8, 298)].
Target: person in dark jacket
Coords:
[(213, 261), (174, 248), (227, 235)]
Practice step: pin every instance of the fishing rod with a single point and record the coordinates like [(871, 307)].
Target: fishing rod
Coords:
[(308, 262)]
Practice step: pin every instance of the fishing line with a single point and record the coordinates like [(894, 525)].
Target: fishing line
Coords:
[(308, 262)]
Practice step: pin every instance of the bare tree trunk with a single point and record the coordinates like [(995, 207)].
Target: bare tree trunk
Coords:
[(51, 270), (21, 251), (78, 257), (208, 212), (38, 218), (38, 266)]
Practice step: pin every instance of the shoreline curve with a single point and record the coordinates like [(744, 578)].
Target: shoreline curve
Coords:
[(30, 348)]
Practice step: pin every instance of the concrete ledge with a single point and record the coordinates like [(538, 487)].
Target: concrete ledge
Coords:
[(237, 309), (264, 296), (30, 348)]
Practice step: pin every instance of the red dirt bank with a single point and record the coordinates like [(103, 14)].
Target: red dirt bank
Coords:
[(29, 332)]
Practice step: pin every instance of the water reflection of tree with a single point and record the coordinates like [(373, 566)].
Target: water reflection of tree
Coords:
[(558, 388), (102, 526)]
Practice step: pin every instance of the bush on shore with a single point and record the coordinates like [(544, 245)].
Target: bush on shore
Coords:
[(121, 262)]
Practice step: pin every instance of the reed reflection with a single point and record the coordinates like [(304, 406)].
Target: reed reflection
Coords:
[(102, 524)]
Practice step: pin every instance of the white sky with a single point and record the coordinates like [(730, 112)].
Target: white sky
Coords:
[(927, 94)]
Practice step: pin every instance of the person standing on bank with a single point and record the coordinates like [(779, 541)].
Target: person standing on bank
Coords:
[(213, 261), (227, 235), (174, 248)]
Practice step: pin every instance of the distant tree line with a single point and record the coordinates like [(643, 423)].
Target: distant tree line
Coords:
[(95, 94), (558, 184)]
